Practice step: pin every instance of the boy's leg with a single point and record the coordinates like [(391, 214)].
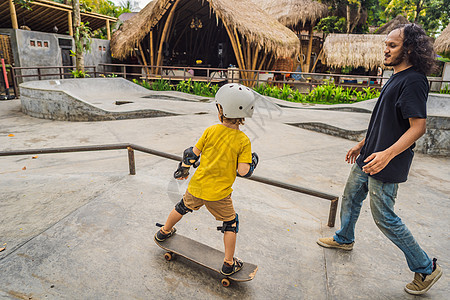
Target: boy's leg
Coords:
[(229, 240), (181, 208), (223, 210), (231, 264), (382, 200), (354, 194), (172, 219)]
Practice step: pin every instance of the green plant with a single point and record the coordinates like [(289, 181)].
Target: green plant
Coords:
[(285, 92), (24, 4), (79, 74), (161, 85), (197, 87), (332, 24), (82, 37), (184, 86), (445, 89), (214, 89)]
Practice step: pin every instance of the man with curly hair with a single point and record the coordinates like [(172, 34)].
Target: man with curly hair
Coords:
[(384, 156)]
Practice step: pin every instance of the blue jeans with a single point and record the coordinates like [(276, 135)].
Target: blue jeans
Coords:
[(382, 200)]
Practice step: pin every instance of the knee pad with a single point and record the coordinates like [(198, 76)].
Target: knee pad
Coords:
[(181, 208), (227, 226)]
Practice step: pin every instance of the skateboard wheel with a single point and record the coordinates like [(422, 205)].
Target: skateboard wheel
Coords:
[(168, 256), (225, 282)]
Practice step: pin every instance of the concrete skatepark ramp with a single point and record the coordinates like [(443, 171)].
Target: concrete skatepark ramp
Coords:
[(88, 99)]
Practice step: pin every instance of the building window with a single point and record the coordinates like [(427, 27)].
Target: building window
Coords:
[(32, 43), (39, 43), (46, 44)]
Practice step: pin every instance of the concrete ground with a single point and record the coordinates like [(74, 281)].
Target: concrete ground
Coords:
[(77, 226)]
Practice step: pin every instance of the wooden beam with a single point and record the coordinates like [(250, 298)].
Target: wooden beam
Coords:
[(108, 30), (262, 61), (143, 58), (308, 56), (240, 49), (152, 58), (12, 13), (317, 59), (70, 24), (233, 43), (164, 33)]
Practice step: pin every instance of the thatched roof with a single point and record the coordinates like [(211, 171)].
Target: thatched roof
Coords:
[(294, 13), (389, 26), (252, 22), (442, 43), (356, 50)]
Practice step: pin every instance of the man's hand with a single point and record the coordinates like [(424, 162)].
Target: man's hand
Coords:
[(377, 161), (353, 153)]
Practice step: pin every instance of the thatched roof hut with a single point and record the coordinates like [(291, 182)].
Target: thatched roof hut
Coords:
[(298, 15), (193, 27), (389, 26), (442, 43), (294, 13), (356, 50)]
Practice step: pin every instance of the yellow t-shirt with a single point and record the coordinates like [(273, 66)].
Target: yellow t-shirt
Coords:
[(222, 149)]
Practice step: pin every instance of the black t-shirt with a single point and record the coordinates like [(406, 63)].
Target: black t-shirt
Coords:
[(404, 96)]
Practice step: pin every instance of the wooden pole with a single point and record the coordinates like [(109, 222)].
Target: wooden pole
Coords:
[(164, 33), (317, 59), (108, 30), (308, 56), (143, 58), (240, 52), (262, 61), (253, 67), (152, 58), (234, 45), (69, 19), (12, 13)]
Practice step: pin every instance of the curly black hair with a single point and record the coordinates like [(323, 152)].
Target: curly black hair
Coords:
[(418, 48)]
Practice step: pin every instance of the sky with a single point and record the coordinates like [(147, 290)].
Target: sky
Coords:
[(141, 3)]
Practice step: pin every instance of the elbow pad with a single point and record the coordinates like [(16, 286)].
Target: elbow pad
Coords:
[(253, 164), (189, 157)]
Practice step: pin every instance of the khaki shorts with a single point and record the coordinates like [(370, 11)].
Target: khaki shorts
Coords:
[(222, 210)]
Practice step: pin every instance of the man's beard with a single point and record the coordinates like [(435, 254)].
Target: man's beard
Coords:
[(398, 60)]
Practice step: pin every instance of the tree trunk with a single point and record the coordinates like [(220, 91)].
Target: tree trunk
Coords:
[(79, 60), (419, 7), (348, 18), (356, 18)]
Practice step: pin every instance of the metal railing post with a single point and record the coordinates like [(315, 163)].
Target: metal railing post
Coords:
[(333, 212), (131, 162)]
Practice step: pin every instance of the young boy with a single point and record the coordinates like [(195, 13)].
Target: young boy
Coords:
[(226, 152)]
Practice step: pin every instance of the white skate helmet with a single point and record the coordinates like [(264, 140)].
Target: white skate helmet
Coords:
[(237, 100)]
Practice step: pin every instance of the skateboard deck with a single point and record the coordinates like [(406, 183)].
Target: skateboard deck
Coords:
[(205, 256)]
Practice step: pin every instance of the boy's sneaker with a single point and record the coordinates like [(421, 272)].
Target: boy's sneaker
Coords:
[(329, 242), (228, 270), (422, 282), (160, 236)]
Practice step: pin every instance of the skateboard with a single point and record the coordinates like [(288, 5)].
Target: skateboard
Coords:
[(205, 256)]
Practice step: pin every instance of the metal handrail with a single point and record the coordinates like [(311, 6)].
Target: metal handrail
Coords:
[(132, 167)]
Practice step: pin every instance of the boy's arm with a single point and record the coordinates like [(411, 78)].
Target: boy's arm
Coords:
[(190, 157), (246, 169)]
